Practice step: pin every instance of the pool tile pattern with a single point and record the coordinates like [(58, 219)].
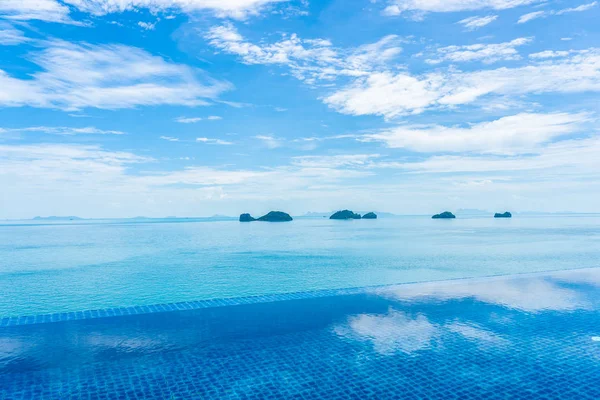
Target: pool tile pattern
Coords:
[(180, 306), (350, 346)]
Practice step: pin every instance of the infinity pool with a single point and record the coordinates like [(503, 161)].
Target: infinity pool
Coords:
[(526, 337)]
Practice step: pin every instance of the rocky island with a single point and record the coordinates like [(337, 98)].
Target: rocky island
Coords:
[(369, 215), (444, 215), (247, 218), (503, 215), (345, 214), (272, 216)]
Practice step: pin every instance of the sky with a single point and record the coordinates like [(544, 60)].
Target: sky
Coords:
[(122, 108)]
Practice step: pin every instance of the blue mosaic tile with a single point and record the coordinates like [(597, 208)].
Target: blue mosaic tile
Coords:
[(529, 338)]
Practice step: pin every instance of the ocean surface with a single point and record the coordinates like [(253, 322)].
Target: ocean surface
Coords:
[(86, 265)]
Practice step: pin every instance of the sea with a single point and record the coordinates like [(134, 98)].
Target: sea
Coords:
[(49, 266)]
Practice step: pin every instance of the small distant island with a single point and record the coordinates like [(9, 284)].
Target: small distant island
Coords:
[(247, 218), (272, 216), (444, 215), (369, 215), (345, 214), (503, 215)]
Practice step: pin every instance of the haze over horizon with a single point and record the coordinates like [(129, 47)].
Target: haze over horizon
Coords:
[(170, 107)]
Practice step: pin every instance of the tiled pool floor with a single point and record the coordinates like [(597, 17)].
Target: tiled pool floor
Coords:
[(531, 337)]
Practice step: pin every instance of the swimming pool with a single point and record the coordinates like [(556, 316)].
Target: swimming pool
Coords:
[(532, 336)]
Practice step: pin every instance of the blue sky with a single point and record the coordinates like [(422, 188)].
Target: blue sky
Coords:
[(118, 108)]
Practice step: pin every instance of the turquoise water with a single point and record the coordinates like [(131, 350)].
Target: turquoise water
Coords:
[(528, 337), (48, 268)]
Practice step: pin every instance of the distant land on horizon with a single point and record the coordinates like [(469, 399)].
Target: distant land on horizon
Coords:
[(57, 218), (312, 214)]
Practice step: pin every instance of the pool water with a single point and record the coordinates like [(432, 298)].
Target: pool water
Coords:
[(533, 336)]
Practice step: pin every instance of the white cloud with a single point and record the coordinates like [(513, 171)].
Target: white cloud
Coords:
[(393, 94), (575, 159), (104, 183), (230, 8), (62, 164), (473, 23), (368, 56), (353, 160), (544, 14), (58, 11), (397, 7), (387, 94), (193, 120), (76, 76), (170, 138), (519, 133), (487, 53), (302, 56), (213, 141), (531, 16), (65, 130), (147, 25), (44, 10), (10, 36), (550, 54), (581, 8), (270, 141), (310, 60), (108, 183)]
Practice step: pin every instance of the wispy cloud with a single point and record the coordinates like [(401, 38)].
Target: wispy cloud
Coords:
[(343, 160), (521, 133), (76, 76), (473, 23), (487, 53), (270, 141), (309, 60), (170, 138), (58, 11), (531, 16), (44, 10), (148, 26), (10, 36), (551, 54), (543, 14), (392, 94), (238, 9), (65, 130), (193, 120), (213, 141), (580, 8), (398, 7), (567, 159)]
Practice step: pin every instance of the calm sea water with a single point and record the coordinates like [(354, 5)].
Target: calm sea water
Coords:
[(47, 268)]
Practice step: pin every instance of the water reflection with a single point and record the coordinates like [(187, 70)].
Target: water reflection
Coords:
[(531, 294), (390, 332), (428, 316)]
